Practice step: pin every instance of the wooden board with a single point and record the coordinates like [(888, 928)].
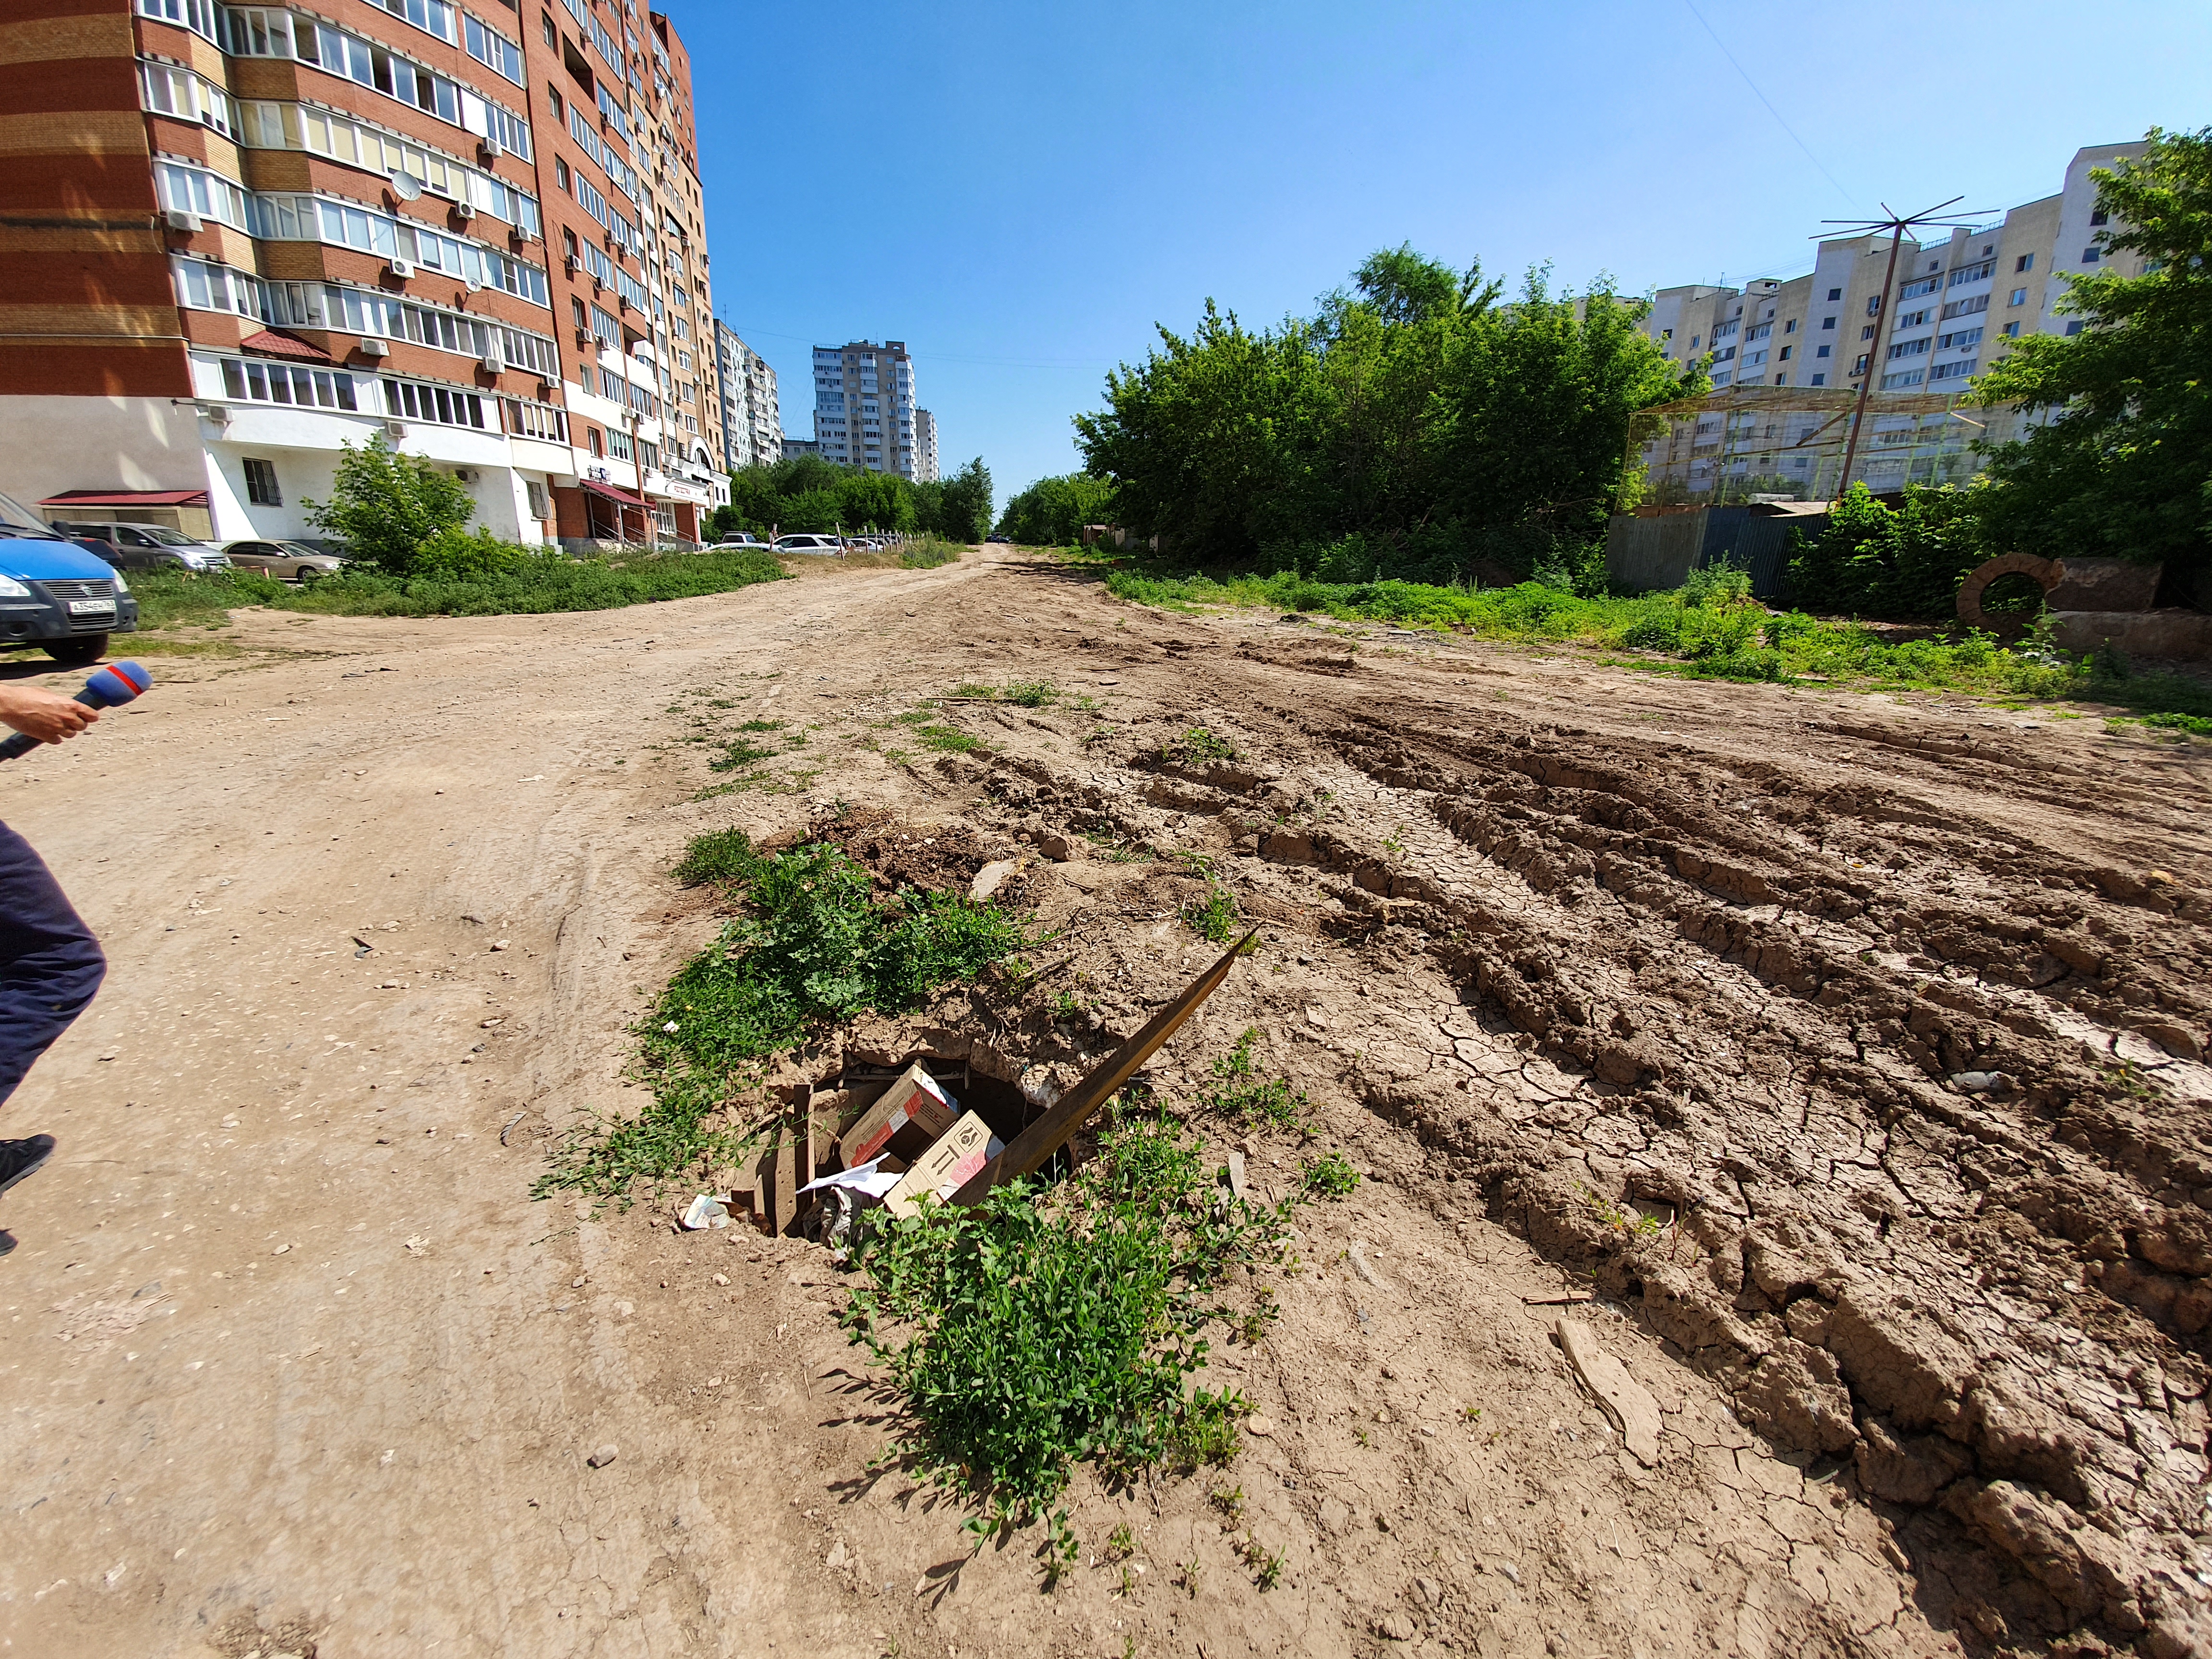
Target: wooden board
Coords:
[(785, 1216)]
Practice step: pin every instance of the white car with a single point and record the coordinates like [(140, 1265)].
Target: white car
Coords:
[(739, 540), (808, 544)]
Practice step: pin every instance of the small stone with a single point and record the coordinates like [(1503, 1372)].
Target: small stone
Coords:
[(577, 1283), (1260, 1425), (1510, 1572), (836, 1556), (1431, 1592), (1395, 1627), (500, 945), (1980, 1083), (722, 1279), (280, 1249), (1335, 1516), (605, 1456)]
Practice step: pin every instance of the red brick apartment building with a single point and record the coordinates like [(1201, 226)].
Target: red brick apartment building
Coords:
[(236, 238)]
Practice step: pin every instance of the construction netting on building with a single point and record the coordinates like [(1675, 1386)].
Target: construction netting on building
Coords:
[(1787, 443)]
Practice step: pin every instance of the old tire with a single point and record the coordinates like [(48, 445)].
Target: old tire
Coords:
[(80, 652)]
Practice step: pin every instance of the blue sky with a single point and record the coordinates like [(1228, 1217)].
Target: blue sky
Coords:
[(1020, 191)]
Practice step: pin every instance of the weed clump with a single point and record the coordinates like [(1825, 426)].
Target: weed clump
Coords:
[(1241, 1093), (1054, 1325), (813, 946)]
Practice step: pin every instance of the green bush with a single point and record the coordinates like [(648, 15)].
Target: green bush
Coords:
[(1054, 1325), (1872, 561), (386, 507)]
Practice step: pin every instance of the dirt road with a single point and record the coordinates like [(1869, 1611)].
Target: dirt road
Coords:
[(1846, 1049)]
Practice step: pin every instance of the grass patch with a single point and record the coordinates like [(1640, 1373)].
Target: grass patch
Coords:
[(945, 740), (929, 553), (1197, 747), (1241, 1093), (1711, 629), (740, 752), (812, 947), (1057, 1324), (542, 583), (1028, 693), (1330, 1175), (1215, 916)]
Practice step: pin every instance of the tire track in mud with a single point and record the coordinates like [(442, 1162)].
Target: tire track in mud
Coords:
[(1907, 1101)]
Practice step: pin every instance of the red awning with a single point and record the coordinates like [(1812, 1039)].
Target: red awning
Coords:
[(271, 343), (128, 498), (615, 493)]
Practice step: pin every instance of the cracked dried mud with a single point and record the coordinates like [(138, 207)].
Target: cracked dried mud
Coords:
[(1833, 1061)]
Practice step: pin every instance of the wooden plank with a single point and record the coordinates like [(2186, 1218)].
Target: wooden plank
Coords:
[(1037, 1142), (785, 1219), (764, 1187)]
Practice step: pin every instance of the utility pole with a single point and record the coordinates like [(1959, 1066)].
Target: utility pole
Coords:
[(1896, 225)]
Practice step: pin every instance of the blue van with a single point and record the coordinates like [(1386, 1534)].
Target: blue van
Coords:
[(56, 594)]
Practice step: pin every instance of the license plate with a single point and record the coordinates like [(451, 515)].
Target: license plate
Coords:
[(90, 607)]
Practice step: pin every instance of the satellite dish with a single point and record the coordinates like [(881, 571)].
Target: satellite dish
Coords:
[(404, 187)]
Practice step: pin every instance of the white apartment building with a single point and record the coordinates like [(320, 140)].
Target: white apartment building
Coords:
[(752, 422), (925, 448), (1928, 330), (864, 413)]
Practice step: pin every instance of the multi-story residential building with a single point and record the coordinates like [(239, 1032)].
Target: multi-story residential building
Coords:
[(1921, 333), (925, 448), (752, 422), (864, 406), (247, 237), (795, 447)]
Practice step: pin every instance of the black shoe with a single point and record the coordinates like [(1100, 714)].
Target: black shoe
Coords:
[(19, 1157), (7, 1240)]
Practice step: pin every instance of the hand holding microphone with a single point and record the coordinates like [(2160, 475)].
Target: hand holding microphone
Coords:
[(41, 717)]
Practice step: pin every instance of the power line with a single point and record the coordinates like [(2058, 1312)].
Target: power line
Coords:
[(1771, 110), (943, 357)]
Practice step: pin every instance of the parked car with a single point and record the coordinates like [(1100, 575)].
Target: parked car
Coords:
[(742, 539), (294, 559), (998, 538), (808, 544), (57, 594), (144, 546)]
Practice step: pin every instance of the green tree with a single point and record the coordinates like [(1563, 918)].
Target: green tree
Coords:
[(1052, 511), (386, 507), (961, 505), (1416, 427), (2124, 467)]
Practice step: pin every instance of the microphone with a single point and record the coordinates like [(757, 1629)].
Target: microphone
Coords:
[(111, 688)]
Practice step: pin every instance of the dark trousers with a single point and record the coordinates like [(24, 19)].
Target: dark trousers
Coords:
[(49, 964)]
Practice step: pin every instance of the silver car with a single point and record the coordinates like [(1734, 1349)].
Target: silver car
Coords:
[(297, 560), (144, 546)]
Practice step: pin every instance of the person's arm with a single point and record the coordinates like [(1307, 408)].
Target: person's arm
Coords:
[(42, 714)]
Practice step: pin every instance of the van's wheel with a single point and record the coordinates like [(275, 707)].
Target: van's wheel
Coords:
[(81, 652)]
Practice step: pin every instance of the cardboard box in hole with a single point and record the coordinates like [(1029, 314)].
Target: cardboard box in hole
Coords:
[(946, 1167), (908, 1119)]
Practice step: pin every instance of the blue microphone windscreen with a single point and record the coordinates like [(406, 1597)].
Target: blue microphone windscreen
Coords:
[(118, 683)]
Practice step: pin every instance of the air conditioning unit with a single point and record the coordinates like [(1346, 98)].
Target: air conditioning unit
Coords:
[(371, 347), (495, 359), (569, 266), (465, 210), (488, 148), (584, 338), (403, 268), (218, 413), (184, 219), (395, 429)]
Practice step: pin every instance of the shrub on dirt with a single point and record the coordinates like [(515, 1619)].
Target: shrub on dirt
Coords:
[(1055, 1324), (386, 507)]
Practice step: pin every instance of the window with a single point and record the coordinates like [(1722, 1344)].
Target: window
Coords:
[(1666, 333), (1957, 371), (1972, 308), (1904, 378), (1913, 290), (251, 380), (536, 491), (560, 176), (1867, 333), (1834, 295), (2011, 330), (1958, 339), (1859, 367), (2089, 256), (1976, 273), (303, 126), (545, 28), (492, 49), (1909, 349), (2073, 328), (1824, 351), (1874, 305), (1909, 320), (431, 17), (2026, 262), (1786, 350), (576, 313), (261, 488), (189, 190), (443, 406), (1790, 327), (1827, 322), (618, 445), (1820, 380), (592, 435), (203, 286), (2100, 217), (180, 92), (553, 95), (2019, 296)]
